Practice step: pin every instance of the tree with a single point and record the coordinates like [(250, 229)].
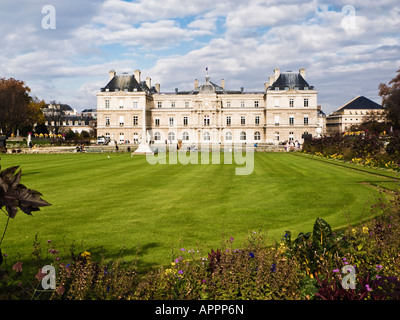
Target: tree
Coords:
[(17, 108), (391, 100)]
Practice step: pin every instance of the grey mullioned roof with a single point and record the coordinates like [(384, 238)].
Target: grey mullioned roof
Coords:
[(126, 82), (361, 102), (290, 80), (210, 87)]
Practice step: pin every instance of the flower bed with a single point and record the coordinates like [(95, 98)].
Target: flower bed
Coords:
[(315, 265)]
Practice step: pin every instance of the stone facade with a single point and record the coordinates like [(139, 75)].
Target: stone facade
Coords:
[(352, 114), (128, 109)]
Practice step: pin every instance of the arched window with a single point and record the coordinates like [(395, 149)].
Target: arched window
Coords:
[(157, 136), (257, 136), (206, 136), (243, 136), (171, 136), (228, 136), (276, 136), (185, 136)]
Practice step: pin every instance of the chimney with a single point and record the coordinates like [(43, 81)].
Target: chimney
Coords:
[(271, 80), (277, 72), (158, 87), (148, 82), (112, 74), (302, 72), (223, 84), (196, 84), (137, 75)]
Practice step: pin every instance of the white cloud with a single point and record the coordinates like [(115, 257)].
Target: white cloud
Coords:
[(173, 41)]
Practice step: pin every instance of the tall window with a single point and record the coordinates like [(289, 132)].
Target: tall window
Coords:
[(257, 136), (291, 135), (185, 121), (277, 120), (171, 121), (186, 104), (135, 120), (228, 104), (256, 104), (291, 102), (243, 136), (257, 119), (206, 120), (276, 135), (172, 104), (306, 102), (107, 121), (107, 104), (185, 136), (206, 136), (159, 104), (228, 120), (306, 119), (276, 102), (243, 120), (157, 122), (157, 136), (228, 136), (121, 120), (242, 104), (171, 136), (121, 137), (121, 103), (291, 120)]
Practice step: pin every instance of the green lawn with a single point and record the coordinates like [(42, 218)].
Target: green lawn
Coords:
[(119, 204)]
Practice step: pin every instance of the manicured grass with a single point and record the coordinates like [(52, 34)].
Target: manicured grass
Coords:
[(120, 204)]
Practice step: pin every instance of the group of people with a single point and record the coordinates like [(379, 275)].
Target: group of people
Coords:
[(80, 148), (291, 145)]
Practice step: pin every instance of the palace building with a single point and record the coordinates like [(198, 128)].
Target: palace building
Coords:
[(129, 109)]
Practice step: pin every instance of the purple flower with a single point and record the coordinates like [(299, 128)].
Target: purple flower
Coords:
[(368, 288), (180, 271), (335, 270), (231, 239), (182, 249), (251, 254)]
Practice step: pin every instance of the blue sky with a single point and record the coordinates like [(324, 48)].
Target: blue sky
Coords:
[(172, 41)]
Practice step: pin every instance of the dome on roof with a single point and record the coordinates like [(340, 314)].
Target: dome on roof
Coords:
[(207, 87)]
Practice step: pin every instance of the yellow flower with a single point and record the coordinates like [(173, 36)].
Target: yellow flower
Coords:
[(85, 254), (354, 231), (365, 229)]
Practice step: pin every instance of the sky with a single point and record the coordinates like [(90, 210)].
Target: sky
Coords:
[(63, 50)]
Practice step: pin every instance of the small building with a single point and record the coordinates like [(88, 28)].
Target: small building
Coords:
[(354, 113)]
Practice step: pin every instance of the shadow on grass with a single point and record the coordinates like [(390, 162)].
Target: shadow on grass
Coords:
[(130, 256)]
